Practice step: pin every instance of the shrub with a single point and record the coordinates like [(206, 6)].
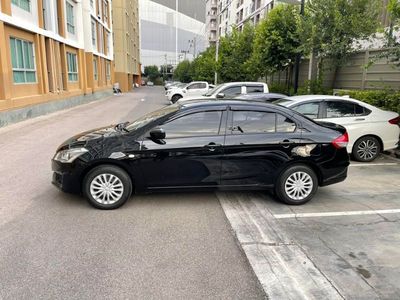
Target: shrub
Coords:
[(385, 99)]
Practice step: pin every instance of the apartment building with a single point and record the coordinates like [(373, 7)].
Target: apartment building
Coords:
[(126, 43), (53, 50), (211, 22), (235, 13)]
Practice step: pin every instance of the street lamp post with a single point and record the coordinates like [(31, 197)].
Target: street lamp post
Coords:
[(298, 57)]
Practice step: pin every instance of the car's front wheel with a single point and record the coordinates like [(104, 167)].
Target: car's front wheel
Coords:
[(107, 187), (296, 185), (175, 98), (366, 149)]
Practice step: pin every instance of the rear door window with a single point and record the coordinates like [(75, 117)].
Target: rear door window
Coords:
[(232, 91), (284, 124), (341, 109), (253, 122), (250, 122)]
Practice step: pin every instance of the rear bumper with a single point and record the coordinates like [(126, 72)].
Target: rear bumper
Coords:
[(339, 177)]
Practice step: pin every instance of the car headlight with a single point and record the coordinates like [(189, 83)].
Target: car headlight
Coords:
[(69, 155)]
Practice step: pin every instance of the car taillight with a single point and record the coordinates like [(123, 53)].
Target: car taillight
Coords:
[(395, 121), (341, 141)]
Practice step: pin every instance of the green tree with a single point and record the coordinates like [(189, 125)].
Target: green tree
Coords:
[(151, 72), (204, 66), (331, 29), (276, 41), (392, 41), (234, 59), (183, 71)]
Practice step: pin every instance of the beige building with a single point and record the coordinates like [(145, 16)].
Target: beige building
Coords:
[(53, 50), (126, 43)]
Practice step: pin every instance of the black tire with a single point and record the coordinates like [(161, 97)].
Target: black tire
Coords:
[(175, 98), (110, 172), (310, 185), (366, 149)]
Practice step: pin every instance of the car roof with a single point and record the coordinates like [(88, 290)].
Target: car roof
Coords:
[(213, 102), (255, 95), (243, 82), (328, 97)]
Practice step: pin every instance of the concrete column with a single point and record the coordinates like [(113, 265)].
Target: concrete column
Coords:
[(5, 71), (6, 7), (43, 56), (365, 70)]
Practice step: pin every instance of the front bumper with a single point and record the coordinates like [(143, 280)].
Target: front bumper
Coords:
[(66, 177)]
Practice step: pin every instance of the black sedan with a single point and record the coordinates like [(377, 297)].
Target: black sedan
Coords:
[(263, 97), (204, 145)]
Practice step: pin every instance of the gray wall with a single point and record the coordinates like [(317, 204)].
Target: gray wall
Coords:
[(382, 74)]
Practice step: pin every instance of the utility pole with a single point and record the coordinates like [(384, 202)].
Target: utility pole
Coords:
[(216, 62), (194, 47), (298, 56), (176, 31)]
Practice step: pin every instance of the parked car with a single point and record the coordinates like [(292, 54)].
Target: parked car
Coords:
[(150, 83), (263, 97), (193, 89), (231, 90), (203, 145), (170, 84), (371, 130)]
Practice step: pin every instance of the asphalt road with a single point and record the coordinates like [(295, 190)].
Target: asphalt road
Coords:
[(160, 246)]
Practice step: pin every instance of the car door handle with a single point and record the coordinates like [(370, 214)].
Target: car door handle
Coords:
[(286, 143), (359, 119), (212, 146)]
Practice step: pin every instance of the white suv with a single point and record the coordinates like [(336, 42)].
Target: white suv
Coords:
[(231, 90)]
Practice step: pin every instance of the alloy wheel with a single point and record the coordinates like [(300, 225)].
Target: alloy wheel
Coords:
[(367, 149), (106, 189), (298, 185)]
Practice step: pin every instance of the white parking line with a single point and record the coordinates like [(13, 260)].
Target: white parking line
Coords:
[(338, 213), (372, 165)]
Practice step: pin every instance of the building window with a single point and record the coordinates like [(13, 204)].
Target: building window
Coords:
[(108, 71), (95, 70), (24, 4), (70, 18), (23, 61), (107, 43), (105, 12), (101, 40), (94, 34), (72, 67)]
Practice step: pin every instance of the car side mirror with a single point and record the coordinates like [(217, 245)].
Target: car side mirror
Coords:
[(157, 134), (220, 95)]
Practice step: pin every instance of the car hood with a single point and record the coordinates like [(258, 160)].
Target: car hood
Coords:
[(89, 137)]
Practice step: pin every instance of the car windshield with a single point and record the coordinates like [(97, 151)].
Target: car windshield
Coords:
[(283, 102), (214, 90), (150, 117)]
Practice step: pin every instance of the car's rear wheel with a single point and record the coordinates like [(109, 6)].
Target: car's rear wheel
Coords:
[(107, 187), (366, 149), (175, 98), (296, 185)]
